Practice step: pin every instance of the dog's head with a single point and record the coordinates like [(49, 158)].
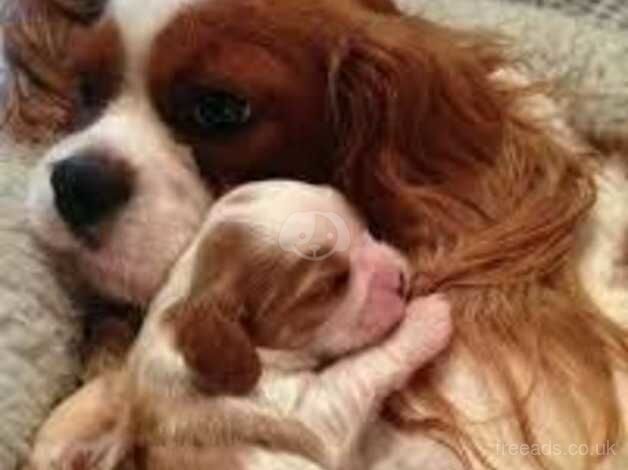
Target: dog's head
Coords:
[(241, 285), (163, 104)]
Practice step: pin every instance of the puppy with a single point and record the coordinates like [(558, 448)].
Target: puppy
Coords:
[(271, 345)]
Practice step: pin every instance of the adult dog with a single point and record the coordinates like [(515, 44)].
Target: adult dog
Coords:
[(448, 156)]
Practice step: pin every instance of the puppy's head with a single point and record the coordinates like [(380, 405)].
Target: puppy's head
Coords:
[(249, 288)]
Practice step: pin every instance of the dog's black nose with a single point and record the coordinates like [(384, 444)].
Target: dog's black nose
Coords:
[(89, 187)]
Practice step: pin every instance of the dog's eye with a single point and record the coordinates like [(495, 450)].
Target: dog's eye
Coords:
[(209, 111), (88, 93), (221, 111), (92, 95)]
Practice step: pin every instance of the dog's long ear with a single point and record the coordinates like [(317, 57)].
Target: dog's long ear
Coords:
[(34, 92), (218, 351), (413, 104)]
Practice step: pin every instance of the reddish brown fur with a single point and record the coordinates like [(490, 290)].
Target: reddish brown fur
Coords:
[(35, 34), (206, 49), (49, 54), (444, 163), (279, 283), (216, 348), (94, 63)]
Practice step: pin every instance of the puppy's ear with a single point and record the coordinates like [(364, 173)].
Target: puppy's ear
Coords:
[(217, 350)]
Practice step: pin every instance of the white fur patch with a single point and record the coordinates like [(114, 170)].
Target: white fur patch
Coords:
[(149, 17)]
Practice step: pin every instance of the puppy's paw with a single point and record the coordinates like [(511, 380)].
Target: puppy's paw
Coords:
[(427, 329)]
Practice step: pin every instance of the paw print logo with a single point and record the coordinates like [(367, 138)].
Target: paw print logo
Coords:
[(314, 235)]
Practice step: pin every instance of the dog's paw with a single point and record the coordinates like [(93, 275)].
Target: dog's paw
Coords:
[(86, 432)]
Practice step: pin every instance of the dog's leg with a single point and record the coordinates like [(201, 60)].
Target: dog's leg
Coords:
[(84, 432)]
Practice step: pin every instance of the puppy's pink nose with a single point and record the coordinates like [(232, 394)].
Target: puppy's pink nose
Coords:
[(385, 262), (391, 280)]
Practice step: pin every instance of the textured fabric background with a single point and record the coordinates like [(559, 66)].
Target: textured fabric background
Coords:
[(607, 12), (585, 55)]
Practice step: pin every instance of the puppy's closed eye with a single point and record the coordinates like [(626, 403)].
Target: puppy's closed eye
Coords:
[(328, 286), (339, 280)]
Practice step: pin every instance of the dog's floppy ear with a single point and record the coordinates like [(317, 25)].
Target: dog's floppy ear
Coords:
[(218, 351), (412, 104), (34, 100)]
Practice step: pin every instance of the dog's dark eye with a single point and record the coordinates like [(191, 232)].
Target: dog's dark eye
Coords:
[(95, 91), (220, 111), (85, 10), (91, 95), (209, 111), (89, 92)]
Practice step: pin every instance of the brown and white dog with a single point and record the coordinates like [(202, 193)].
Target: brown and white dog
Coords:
[(243, 357), (158, 106)]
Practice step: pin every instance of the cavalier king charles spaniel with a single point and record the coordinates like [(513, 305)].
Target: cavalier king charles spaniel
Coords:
[(148, 110)]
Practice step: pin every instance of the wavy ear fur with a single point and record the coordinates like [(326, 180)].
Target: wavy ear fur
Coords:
[(413, 105), (34, 97), (446, 160), (216, 348)]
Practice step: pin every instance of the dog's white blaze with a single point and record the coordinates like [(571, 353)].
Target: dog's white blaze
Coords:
[(140, 21)]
